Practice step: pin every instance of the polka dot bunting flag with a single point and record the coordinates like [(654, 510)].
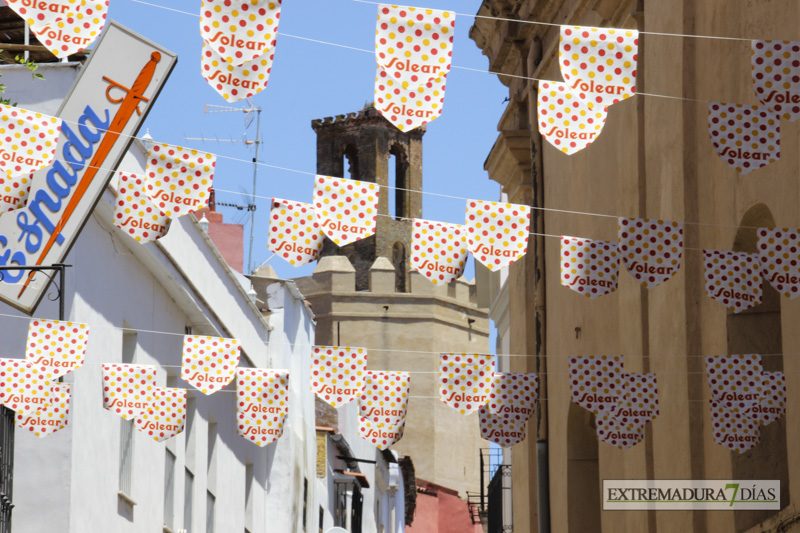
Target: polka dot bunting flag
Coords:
[(772, 403), (135, 213), (465, 380), (776, 76), (616, 432), (128, 389), (25, 387), (346, 209), (14, 192), (566, 121), (638, 402), (409, 106), (55, 347), (338, 373), (385, 397), (40, 15), (599, 64), (497, 233), (439, 250), (596, 382), (46, 420), (209, 363), (733, 430), (381, 434), (513, 394), (165, 416), (240, 30), (504, 430), (76, 30), (28, 141), (733, 278), (779, 251), (735, 381), (414, 45), (179, 179), (745, 137), (589, 267), (262, 404), (234, 82), (650, 249), (294, 233)]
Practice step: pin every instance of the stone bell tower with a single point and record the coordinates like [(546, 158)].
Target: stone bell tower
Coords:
[(365, 295), (362, 146)]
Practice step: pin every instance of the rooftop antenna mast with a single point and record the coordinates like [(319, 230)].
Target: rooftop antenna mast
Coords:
[(250, 112)]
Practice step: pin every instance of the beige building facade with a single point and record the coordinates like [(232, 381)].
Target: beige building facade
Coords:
[(366, 295), (653, 159)]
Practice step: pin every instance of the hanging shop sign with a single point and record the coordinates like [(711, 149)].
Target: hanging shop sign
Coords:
[(101, 114)]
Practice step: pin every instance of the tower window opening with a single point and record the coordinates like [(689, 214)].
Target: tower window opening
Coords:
[(398, 183), (350, 162)]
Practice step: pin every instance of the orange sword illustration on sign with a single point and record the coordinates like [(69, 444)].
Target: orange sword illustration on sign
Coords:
[(129, 106)]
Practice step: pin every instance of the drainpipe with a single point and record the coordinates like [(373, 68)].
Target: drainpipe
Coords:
[(537, 182)]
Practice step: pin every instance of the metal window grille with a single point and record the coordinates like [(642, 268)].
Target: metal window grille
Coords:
[(6, 468), (169, 489), (211, 502), (126, 457), (188, 494)]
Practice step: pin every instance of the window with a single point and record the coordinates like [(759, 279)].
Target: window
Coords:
[(212, 458), (399, 194), (211, 502), (188, 499), (169, 489), (7, 417), (126, 457), (321, 519), (129, 341), (350, 162), (399, 263), (305, 502)]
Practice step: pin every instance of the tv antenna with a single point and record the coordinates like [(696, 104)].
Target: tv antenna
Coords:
[(250, 112)]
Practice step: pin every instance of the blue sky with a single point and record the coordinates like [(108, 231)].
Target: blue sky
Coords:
[(311, 80)]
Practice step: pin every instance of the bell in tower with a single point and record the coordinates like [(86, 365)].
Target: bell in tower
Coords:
[(364, 146)]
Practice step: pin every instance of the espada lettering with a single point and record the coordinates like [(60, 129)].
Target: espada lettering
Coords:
[(777, 277), (591, 282), (650, 269), (338, 226), (404, 111), (408, 66), (49, 361), (593, 398), (593, 87), (738, 153), (45, 6), (436, 267), (230, 79), (783, 98), (497, 252), (199, 376), (570, 134), (231, 40), (456, 397), (290, 247), (139, 223), (726, 293), (11, 157)]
